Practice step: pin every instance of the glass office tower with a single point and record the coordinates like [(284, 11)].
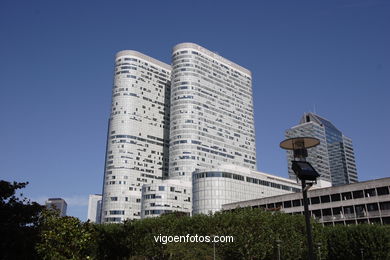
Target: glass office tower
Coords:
[(334, 158)]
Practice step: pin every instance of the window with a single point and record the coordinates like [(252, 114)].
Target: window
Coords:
[(385, 205), (117, 212), (348, 210), (326, 212), (315, 200), (335, 197), (287, 204), (358, 194), (337, 211), (372, 207), (360, 211), (325, 199), (346, 196), (382, 191), (161, 188), (370, 193), (296, 203), (316, 213), (271, 206)]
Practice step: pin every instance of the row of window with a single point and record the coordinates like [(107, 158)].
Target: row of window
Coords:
[(242, 178), (367, 193)]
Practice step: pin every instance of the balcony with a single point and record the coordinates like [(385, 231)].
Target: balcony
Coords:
[(349, 216), (375, 213), (327, 218), (385, 212)]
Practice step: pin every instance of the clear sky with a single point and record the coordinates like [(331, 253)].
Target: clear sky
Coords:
[(57, 61)]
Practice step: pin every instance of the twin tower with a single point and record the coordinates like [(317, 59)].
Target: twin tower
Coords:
[(170, 121)]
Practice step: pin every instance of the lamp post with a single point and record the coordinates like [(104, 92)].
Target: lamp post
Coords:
[(278, 247), (306, 174), (319, 250), (214, 247)]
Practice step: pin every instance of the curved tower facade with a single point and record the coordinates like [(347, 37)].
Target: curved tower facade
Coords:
[(211, 112), (138, 132)]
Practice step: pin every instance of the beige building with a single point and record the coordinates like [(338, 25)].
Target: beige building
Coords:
[(363, 202)]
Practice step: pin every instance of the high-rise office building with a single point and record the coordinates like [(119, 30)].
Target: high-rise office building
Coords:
[(95, 208), (211, 112), (57, 204), (137, 139), (333, 158), (165, 125)]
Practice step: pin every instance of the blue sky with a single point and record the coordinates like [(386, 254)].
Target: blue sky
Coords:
[(56, 74)]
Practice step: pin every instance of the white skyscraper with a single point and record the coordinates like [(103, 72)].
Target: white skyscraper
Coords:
[(158, 132), (211, 112), (137, 140), (94, 208)]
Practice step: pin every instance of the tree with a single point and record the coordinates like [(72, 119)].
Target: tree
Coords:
[(19, 219), (65, 237)]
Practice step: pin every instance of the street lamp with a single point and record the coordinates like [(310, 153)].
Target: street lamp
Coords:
[(305, 173), (278, 247), (319, 244)]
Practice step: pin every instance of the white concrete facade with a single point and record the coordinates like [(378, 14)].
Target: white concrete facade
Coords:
[(167, 122), (137, 140), (167, 196), (211, 112), (94, 208), (228, 184), (356, 203)]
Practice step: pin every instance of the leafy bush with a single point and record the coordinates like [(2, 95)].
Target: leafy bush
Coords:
[(348, 242), (25, 226), (19, 220)]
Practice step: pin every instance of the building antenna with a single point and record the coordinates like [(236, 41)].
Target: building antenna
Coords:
[(314, 107)]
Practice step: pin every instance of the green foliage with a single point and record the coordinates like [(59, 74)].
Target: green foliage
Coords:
[(24, 226), (113, 240), (19, 219), (190, 251), (65, 237), (254, 233), (346, 242)]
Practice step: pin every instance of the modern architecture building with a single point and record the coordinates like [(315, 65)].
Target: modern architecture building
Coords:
[(211, 112), (95, 208), (160, 130), (363, 202), (333, 158), (230, 183), (57, 204), (138, 133), (166, 197)]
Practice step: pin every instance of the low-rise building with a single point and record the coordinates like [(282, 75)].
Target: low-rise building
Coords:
[(363, 202), (230, 183), (172, 195)]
